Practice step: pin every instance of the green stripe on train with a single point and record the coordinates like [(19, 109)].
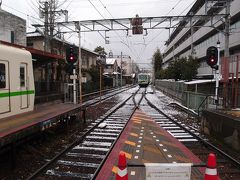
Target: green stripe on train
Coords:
[(17, 93)]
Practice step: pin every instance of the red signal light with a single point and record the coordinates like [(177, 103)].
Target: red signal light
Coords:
[(212, 56), (71, 56)]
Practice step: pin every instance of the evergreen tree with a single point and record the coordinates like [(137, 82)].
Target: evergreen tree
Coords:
[(100, 50), (182, 69), (157, 59), (190, 69)]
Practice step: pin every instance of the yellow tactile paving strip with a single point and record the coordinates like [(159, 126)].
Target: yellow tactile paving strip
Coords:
[(130, 143), (134, 134), (146, 143)]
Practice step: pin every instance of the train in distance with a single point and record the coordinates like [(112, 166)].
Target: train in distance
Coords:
[(144, 79), (17, 91)]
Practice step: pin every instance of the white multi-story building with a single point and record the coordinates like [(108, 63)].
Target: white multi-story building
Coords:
[(12, 28), (203, 36)]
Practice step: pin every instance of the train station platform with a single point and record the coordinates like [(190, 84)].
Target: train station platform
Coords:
[(224, 125), (17, 127), (144, 141)]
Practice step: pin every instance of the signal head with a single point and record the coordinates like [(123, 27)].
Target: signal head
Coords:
[(71, 56), (212, 56)]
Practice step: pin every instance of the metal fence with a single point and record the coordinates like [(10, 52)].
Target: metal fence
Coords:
[(228, 97), (68, 92), (48, 91), (42, 88)]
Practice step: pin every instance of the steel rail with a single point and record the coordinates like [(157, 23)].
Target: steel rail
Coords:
[(55, 118), (55, 158), (236, 162), (112, 147)]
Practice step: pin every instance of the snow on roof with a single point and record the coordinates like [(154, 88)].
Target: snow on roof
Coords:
[(38, 33), (201, 81), (33, 34), (110, 61)]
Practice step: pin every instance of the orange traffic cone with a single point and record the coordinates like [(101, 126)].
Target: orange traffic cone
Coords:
[(122, 173), (211, 169)]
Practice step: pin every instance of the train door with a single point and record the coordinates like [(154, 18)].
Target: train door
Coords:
[(24, 96), (4, 87)]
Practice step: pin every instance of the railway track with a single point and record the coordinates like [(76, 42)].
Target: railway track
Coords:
[(56, 132), (84, 158), (228, 167)]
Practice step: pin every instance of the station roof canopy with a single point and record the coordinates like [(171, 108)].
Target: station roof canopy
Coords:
[(44, 55), (200, 81), (36, 53)]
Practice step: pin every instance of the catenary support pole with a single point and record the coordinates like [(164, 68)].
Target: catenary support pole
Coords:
[(100, 83), (121, 69), (217, 74), (74, 87), (80, 65)]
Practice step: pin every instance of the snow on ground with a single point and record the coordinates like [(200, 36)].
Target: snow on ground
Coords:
[(162, 102)]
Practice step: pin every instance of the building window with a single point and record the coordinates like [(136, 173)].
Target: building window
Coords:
[(12, 36), (84, 60), (2, 75), (30, 44), (22, 76), (88, 62)]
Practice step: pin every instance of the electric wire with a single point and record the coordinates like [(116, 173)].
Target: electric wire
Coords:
[(161, 30), (168, 13), (125, 43), (22, 12)]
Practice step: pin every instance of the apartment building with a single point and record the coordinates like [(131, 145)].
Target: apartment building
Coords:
[(205, 33)]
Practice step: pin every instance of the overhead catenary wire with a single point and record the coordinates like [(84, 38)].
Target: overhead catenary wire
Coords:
[(127, 44), (22, 12), (145, 46), (168, 13), (163, 30)]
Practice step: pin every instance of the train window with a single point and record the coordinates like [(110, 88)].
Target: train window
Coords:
[(2, 75), (22, 76)]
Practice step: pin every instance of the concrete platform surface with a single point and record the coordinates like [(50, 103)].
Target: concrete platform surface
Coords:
[(144, 141)]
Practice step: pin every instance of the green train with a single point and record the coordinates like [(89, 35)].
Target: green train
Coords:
[(143, 79)]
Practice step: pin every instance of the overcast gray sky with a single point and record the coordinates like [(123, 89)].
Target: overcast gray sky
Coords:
[(142, 47)]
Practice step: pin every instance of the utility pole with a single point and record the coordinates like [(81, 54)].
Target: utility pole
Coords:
[(226, 50), (227, 29), (51, 22), (46, 26), (49, 13)]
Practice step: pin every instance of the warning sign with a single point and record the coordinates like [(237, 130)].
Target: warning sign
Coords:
[(169, 171)]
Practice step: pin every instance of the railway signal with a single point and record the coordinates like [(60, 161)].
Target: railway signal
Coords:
[(71, 55), (212, 57), (137, 27)]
